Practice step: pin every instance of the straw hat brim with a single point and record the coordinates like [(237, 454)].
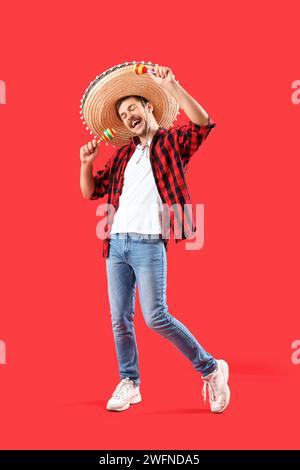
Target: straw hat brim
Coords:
[(98, 106)]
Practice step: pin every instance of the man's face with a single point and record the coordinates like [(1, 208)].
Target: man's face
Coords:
[(132, 113)]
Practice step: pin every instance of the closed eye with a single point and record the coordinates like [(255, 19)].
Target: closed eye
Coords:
[(130, 108)]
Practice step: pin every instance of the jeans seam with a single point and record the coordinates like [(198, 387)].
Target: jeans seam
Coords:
[(172, 316), (162, 270), (132, 313)]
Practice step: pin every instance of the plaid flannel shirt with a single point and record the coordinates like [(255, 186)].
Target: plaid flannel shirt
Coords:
[(170, 153)]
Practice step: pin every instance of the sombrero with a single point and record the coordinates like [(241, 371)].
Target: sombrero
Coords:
[(98, 104)]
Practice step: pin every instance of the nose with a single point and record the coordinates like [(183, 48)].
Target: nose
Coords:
[(130, 114)]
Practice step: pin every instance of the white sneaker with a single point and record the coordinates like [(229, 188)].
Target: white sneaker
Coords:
[(219, 393), (125, 394)]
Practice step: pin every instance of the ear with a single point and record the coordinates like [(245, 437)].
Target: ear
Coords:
[(149, 107)]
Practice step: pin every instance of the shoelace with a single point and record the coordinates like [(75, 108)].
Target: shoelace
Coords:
[(122, 388), (211, 390)]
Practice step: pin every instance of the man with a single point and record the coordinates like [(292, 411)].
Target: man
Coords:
[(140, 178)]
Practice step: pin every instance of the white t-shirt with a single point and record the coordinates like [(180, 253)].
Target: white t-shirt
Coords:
[(140, 205)]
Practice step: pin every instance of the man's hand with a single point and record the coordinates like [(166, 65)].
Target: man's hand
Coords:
[(164, 76), (89, 152), (194, 111)]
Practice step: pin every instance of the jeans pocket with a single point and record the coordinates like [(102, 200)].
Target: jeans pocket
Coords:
[(114, 243)]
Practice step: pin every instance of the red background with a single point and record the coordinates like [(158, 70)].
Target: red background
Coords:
[(238, 295)]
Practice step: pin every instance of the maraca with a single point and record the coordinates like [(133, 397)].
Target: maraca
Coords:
[(140, 69), (107, 135)]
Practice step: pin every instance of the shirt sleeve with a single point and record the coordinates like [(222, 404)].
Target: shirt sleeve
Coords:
[(191, 136), (101, 179)]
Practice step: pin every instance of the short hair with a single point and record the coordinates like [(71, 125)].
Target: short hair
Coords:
[(142, 99)]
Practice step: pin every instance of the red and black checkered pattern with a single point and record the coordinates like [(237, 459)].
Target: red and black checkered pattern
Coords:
[(170, 153)]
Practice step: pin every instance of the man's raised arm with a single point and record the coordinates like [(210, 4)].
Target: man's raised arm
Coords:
[(194, 111)]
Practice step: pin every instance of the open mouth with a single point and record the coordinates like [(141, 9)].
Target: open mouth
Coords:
[(135, 123)]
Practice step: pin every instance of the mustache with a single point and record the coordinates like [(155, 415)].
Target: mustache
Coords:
[(134, 118)]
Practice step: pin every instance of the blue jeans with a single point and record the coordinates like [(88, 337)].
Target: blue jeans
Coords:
[(140, 260)]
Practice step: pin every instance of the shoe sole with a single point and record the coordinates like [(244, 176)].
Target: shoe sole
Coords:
[(225, 368), (134, 401)]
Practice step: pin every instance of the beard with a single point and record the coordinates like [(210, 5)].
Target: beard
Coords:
[(140, 129)]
